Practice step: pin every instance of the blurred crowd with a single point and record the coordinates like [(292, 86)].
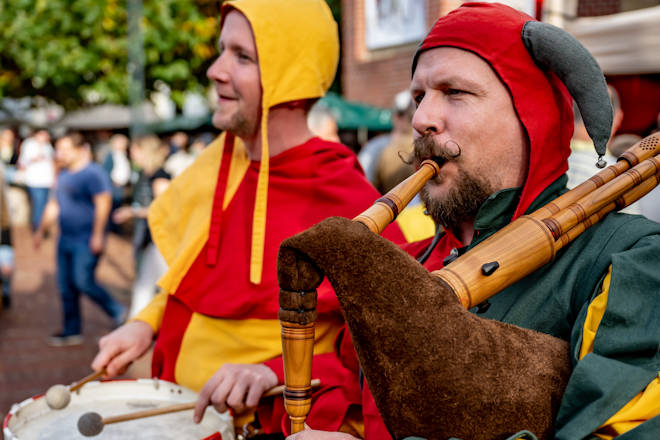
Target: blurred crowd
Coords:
[(136, 171)]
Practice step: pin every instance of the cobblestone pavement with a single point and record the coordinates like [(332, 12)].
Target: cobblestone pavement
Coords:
[(28, 365)]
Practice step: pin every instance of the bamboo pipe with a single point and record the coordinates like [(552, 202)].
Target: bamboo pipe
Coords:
[(279, 389), (472, 276), (575, 213), (385, 209), (297, 352), (628, 198), (642, 150)]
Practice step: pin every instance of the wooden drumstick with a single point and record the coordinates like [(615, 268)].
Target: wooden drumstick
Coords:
[(95, 375), (59, 396), (91, 423)]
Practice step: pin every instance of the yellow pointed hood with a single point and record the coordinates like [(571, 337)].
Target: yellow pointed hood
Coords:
[(298, 49)]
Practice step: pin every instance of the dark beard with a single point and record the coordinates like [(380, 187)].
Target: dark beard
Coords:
[(461, 203), (463, 200), (240, 126)]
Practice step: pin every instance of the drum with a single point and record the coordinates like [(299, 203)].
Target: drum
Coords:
[(32, 419)]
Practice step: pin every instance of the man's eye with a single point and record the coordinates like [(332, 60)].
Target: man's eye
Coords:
[(455, 91), (418, 99), (244, 57)]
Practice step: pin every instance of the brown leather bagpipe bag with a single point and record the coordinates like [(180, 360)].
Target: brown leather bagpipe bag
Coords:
[(435, 369)]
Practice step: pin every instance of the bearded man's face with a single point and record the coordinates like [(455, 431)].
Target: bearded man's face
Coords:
[(465, 117)]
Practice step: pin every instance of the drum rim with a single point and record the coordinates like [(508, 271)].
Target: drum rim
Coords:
[(8, 435)]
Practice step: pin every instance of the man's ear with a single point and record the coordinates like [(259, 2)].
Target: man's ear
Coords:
[(297, 104), (617, 119)]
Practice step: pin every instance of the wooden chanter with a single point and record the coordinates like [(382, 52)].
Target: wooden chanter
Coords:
[(488, 268)]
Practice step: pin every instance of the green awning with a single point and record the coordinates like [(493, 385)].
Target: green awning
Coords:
[(354, 115), (350, 115), (180, 123)]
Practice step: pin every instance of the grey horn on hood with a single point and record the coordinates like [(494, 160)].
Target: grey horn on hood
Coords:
[(557, 50)]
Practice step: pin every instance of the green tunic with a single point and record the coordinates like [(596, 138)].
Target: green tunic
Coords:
[(555, 299)]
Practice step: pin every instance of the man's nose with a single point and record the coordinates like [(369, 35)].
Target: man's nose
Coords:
[(218, 70), (428, 118)]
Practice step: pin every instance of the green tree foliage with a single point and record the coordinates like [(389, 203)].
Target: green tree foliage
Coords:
[(335, 7), (75, 51)]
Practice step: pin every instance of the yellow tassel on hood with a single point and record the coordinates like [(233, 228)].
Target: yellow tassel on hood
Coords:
[(260, 207)]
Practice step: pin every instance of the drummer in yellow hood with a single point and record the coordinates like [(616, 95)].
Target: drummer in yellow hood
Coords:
[(220, 223)]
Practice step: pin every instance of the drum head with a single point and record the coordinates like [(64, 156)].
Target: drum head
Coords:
[(32, 419)]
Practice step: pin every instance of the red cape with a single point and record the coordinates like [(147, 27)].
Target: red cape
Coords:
[(307, 184)]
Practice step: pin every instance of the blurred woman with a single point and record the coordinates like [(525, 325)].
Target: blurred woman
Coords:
[(147, 154), (36, 161)]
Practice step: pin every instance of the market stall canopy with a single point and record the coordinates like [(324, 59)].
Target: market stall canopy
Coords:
[(624, 43), (354, 115)]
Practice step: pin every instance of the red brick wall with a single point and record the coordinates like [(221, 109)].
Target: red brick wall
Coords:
[(375, 76), (591, 8)]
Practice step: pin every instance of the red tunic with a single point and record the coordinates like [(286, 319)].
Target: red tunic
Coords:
[(307, 183)]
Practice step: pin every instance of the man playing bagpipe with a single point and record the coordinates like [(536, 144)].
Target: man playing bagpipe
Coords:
[(569, 348)]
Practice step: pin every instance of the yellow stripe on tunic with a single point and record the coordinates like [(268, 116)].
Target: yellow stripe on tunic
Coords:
[(643, 406), (209, 342)]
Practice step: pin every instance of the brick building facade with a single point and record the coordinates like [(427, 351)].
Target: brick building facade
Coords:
[(375, 76), (592, 8)]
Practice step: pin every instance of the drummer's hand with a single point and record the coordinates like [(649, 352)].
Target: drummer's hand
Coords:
[(122, 346), (311, 434), (238, 386)]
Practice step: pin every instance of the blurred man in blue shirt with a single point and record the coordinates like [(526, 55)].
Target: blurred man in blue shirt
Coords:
[(82, 204)]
